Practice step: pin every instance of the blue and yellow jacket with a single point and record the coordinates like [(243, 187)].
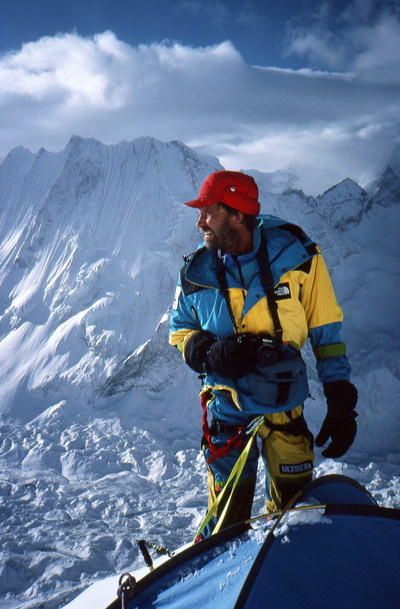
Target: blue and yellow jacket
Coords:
[(307, 308)]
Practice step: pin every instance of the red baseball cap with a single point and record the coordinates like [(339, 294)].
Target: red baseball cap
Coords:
[(233, 188)]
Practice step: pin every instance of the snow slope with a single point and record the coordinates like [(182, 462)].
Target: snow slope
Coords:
[(99, 417)]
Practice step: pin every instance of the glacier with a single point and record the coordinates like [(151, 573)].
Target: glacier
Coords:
[(99, 417)]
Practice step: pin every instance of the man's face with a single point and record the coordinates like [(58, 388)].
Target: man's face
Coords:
[(219, 228)]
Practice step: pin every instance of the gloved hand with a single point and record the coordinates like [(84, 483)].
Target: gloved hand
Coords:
[(234, 356), (339, 424), (196, 350)]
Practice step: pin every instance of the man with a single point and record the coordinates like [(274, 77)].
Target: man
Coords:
[(246, 302)]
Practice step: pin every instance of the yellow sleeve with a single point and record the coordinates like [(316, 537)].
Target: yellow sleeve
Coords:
[(318, 297), (179, 338)]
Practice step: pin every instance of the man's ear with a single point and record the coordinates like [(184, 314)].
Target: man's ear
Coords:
[(239, 216)]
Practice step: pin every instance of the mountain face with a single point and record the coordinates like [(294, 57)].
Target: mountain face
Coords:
[(387, 187), (91, 245), (92, 239), (99, 417)]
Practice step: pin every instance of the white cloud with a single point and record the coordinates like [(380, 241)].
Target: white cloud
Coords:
[(80, 71), (331, 124), (379, 57), (364, 39), (319, 48)]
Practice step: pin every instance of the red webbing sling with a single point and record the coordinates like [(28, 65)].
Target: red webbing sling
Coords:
[(235, 441)]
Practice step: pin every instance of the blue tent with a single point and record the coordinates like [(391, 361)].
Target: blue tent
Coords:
[(341, 555)]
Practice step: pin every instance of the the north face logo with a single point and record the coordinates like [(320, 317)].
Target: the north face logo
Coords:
[(282, 291)]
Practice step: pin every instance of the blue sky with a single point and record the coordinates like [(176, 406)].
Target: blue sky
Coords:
[(260, 30), (310, 84)]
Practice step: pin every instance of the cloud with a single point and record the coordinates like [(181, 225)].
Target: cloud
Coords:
[(378, 58), (364, 39), (330, 124), (79, 71)]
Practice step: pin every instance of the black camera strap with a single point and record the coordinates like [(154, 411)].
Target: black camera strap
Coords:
[(267, 282)]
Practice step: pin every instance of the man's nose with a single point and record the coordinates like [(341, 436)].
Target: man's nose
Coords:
[(200, 222)]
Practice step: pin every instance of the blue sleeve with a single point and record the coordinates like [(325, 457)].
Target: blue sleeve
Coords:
[(182, 318)]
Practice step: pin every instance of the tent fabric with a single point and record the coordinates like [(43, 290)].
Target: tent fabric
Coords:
[(194, 560), (334, 489), (343, 555), (346, 561), (329, 563), (203, 581)]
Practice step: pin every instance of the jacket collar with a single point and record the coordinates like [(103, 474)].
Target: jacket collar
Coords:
[(285, 252)]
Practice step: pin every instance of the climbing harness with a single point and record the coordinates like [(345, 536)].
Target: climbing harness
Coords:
[(235, 441), (293, 427)]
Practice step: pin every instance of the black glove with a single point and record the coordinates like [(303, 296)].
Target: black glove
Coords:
[(234, 356), (340, 421), (196, 350)]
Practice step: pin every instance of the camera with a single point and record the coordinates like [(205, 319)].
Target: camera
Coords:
[(267, 352), (264, 347)]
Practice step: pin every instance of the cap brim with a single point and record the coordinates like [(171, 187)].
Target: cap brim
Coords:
[(194, 203), (206, 202)]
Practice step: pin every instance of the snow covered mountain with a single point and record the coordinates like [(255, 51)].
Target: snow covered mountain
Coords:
[(99, 417)]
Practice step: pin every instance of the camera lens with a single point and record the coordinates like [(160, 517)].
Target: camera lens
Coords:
[(267, 353)]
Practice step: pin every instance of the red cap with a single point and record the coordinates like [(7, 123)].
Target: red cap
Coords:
[(233, 188)]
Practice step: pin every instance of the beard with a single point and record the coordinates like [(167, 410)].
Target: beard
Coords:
[(225, 239)]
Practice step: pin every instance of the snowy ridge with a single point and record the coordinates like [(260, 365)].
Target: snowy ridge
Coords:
[(99, 417), (89, 247)]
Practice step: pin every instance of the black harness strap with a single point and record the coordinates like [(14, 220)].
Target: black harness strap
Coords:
[(223, 284), (267, 283)]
